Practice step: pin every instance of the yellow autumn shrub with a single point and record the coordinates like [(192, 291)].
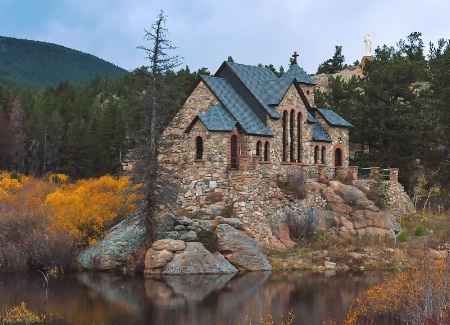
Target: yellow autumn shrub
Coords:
[(90, 207), (21, 315), (44, 220), (10, 185)]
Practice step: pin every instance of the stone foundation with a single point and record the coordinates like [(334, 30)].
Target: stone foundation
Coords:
[(261, 198)]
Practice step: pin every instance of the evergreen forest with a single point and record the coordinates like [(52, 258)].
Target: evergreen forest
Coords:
[(83, 131), (35, 64), (399, 109)]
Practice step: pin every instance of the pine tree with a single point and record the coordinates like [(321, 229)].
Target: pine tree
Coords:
[(145, 167), (333, 65)]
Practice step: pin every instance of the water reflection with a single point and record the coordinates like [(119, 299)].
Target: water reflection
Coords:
[(99, 298)]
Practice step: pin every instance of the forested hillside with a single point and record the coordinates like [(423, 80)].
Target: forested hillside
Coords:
[(81, 130), (400, 110), (34, 64)]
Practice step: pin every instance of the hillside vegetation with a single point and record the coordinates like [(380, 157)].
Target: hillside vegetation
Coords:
[(44, 222), (81, 130), (34, 64), (399, 109)]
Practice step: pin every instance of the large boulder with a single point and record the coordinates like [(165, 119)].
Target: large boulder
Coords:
[(240, 250), (349, 211), (214, 247), (193, 259), (121, 250)]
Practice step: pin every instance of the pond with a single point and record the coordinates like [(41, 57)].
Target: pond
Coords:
[(100, 298)]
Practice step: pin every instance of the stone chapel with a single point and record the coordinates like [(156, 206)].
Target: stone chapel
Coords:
[(241, 127)]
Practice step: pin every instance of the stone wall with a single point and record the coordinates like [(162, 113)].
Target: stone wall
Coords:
[(210, 188), (257, 198), (398, 200)]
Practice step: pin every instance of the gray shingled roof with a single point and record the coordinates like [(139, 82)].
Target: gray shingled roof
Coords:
[(298, 73), (310, 118), (269, 90), (217, 119), (333, 118), (319, 133), (274, 90), (256, 79), (236, 106)]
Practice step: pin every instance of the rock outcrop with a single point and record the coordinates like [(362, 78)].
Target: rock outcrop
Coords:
[(346, 210), (194, 258), (242, 251), (122, 249), (322, 83), (213, 247), (228, 245)]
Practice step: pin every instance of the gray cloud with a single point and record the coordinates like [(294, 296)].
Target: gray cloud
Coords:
[(206, 32)]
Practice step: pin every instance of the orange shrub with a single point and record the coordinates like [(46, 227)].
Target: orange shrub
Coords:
[(45, 221), (89, 207), (419, 296)]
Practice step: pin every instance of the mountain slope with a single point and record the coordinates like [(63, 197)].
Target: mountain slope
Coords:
[(33, 64)]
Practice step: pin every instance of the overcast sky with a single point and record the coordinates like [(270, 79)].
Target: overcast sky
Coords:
[(206, 32)]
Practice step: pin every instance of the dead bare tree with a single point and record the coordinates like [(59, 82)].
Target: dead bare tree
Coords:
[(143, 159)]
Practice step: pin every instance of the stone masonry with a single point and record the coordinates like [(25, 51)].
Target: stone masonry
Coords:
[(213, 184)]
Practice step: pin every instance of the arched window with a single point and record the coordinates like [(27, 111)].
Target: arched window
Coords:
[(284, 135), (258, 148), (266, 151), (338, 157), (234, 152), (198, 148), (323, 155), (316, 155), (299, 137), (291, 136)]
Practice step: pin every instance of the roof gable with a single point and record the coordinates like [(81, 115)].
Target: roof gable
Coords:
[(274, 90), (255, 79), (217, 119), (236, 106), (299, 74)]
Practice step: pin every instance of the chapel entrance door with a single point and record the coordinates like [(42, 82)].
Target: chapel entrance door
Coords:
[(234, 152)]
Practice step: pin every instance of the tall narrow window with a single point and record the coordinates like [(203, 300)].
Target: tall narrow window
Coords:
[(266, 151), (234, 152), (284, 135), (316, 155), (291, 136), (338, 157), (323, 155), (299, 138), (198, 148), (258, 148)]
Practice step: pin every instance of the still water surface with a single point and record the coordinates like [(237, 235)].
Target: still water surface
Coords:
[(98, 298)]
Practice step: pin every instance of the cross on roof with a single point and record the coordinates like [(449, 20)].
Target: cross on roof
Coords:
[(295, 55)]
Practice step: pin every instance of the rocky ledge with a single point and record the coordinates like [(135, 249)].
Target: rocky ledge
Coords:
[(121, 249), (183, 246), (189, 246)]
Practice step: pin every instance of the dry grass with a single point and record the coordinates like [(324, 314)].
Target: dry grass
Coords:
[(368, 252)]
